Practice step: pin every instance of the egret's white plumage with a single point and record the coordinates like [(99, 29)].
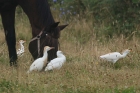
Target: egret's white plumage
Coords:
[(39, 63), (20, 51), (57, 62), (115, 56)]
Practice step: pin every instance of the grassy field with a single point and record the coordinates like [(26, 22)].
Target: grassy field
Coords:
[(83, 71)]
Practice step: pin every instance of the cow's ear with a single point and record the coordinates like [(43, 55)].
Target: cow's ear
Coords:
[(62, 27), (54, 25)]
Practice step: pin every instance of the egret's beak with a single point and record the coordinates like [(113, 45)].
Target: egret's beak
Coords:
[(52, 47)]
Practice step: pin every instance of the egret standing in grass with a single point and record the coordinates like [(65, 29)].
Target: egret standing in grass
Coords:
[(20, 51), (39, 63), (57, 62), (115, 56)]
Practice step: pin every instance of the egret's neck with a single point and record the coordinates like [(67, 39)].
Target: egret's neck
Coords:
[(21, 47), (61, 56), (124, 54), (45, 55), (45, 58)]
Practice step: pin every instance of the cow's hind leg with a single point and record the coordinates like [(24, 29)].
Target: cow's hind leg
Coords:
[(8, 20)]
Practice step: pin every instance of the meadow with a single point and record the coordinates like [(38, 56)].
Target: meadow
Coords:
[(83, 71)]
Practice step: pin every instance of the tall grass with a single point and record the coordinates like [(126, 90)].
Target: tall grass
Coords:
[(83, 72)]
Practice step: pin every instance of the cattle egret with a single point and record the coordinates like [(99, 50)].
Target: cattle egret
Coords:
[(20, 51), (57, 62), (39, 63), (115, 56)]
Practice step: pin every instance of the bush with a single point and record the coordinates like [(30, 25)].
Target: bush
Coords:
[(120, 16)]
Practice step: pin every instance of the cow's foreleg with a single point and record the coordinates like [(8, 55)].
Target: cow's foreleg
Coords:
[(8, 20)]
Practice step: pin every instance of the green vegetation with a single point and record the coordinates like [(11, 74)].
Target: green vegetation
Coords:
[(11, 87), (117, 16), (83, 41)]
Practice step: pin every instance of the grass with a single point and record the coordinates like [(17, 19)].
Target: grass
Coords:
[(83, 72)]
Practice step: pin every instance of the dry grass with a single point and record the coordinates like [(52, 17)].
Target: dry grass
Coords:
[(83, 72)]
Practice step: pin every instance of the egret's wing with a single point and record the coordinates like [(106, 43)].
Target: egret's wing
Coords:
[(53, 61), (18, 51), (55, 64), (36, 65), (113, 55)]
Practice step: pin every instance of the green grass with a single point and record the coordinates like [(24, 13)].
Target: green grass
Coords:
[(15, 87), (125, 90), (83, 71)]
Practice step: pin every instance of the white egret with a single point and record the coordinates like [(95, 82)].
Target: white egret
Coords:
[(115, 56), (57, 62), (39, 63), (20, 51)]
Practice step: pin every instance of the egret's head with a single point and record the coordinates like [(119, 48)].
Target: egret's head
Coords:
[(47, 48), (127, 50), (21, 41), (130, 49), (59, 52)]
